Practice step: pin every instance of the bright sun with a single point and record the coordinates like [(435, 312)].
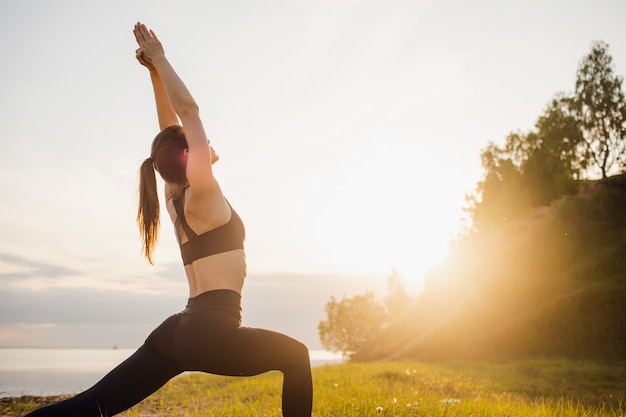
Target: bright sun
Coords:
[(370, 211), (396, 216)]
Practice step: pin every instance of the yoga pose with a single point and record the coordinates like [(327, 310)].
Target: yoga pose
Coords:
[(207, 335)]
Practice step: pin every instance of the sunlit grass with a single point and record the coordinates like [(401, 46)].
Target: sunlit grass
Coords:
[(529, 388)]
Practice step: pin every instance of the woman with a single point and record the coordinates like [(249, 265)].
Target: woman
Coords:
[(207, 336)]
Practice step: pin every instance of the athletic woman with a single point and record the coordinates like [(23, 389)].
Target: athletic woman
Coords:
[(206, 336)]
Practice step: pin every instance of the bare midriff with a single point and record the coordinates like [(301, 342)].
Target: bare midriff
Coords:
[(222, 271)]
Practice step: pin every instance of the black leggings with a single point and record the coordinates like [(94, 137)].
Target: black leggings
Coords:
[(207, 336)]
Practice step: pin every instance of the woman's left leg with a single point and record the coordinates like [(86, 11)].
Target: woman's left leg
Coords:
[(265, 350)]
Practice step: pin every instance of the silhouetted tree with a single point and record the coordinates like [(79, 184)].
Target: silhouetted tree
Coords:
[(572, 137), (600, 110), (551, 164), (501, 195), (561, 135)]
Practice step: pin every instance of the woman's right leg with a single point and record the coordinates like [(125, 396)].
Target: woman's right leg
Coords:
[(130, 382), (144, 372)]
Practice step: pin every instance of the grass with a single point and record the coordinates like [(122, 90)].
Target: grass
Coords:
[(520, 389)]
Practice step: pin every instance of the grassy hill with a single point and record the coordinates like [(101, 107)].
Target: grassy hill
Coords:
[(551, 284)]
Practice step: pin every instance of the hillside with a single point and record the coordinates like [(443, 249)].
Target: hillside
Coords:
[(551, 284)]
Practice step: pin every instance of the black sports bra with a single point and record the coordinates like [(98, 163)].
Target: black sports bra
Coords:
[(227, 237)]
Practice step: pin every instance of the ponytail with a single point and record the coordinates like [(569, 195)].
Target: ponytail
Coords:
[(165, 157), (148, 212)]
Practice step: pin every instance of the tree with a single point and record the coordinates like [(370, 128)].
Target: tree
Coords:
[(351, 324), (561, 135), (501, 195), (532, 169), (574, 137), (551, 164), (600, 110)]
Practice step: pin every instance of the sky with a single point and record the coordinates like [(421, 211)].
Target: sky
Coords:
[(349, 133)]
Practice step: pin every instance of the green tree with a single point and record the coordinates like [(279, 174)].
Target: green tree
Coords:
[(532, 169), (561, 135), (551, 165), (351, 323), (501, 195), (574, 137), (600, 109)]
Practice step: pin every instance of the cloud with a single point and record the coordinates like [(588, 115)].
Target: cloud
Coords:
[(27, 267), (48, 271), (59, 335), (84, 305), (91, 317)]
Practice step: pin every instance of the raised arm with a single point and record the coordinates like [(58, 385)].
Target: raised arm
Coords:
[(199, 158), (165, 111)]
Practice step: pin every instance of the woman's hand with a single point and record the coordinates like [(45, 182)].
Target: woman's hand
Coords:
[(139, 56), (150, 48)]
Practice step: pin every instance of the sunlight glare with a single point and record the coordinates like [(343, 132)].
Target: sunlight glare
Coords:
[(386, 212)]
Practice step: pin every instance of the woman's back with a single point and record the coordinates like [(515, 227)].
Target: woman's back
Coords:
[(211, 235)]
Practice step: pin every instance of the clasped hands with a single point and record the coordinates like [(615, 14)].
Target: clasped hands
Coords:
[(150, 48)]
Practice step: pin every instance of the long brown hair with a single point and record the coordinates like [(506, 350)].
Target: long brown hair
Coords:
[(167, 157)]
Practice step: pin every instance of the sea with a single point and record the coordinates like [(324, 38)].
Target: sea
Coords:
[(44, 372)]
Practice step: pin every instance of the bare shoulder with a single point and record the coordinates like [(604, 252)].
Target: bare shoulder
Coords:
[(207, 208)]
